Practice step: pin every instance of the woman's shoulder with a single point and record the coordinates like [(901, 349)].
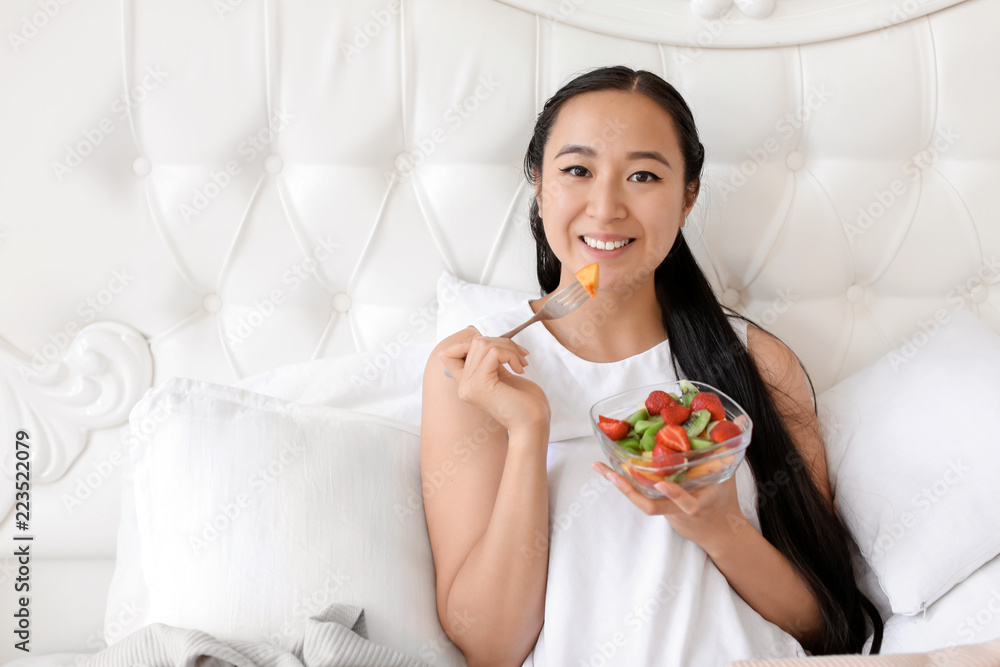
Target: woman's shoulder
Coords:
[(778, 364), (762, 344), (776, 361)]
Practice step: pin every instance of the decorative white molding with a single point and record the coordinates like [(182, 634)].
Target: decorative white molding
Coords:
[(720, 24), (713, 9), (94, 384), (756, 9)]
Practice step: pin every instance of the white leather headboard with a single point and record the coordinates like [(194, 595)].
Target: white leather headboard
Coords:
[(213, 189)]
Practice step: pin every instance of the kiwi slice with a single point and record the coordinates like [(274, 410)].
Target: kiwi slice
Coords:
[(701, 443), (689, 392), (643, 425), (630, 444), (697, 422), (648, 440), (678, 476), (674, 396), (636, 416)]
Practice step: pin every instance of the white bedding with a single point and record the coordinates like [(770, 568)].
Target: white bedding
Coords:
[(246, 512), (386, 381), (51, 660), (968, 614)]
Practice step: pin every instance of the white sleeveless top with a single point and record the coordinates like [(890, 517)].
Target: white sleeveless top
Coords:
[(624, 588)]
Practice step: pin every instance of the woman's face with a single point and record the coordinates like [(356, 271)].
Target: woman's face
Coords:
[(612, 175)]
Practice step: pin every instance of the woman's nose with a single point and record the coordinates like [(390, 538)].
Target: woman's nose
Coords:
[(606, 201)]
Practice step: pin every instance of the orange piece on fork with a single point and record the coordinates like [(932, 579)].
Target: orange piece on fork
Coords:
[(588, 277)]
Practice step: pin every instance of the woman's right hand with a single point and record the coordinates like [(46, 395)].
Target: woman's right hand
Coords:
[(478, 365)]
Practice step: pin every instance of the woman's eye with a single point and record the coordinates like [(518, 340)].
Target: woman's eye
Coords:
[(575, 170), (644, 177)]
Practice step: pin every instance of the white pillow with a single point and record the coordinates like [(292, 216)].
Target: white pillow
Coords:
[(461, 303), (913, 455), (967, 614), (253, 513), (384, 382)]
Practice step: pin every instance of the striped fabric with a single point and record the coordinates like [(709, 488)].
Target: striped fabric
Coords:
[(336, 637), (975, 655)]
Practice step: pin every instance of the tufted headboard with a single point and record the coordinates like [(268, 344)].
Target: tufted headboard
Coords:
[(212, 189)]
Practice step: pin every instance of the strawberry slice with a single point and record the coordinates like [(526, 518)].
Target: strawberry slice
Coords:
[(706, 400), (724, 430), (665, 457), (658, 400), (675, 413), (616, 429), (673, 437)]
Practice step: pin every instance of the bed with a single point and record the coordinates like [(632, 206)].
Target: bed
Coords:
[(279, 207)]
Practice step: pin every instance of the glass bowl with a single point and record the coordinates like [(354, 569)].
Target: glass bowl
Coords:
[(700, 467)]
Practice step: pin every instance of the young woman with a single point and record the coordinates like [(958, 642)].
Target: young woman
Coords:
[(524, 533)]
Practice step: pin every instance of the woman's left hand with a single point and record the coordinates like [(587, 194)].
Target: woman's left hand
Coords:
[(709, 516)]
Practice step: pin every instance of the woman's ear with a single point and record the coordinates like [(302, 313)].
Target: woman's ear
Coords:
[(690, 197)]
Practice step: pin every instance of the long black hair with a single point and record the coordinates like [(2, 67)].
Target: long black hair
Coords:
[(793, 515)]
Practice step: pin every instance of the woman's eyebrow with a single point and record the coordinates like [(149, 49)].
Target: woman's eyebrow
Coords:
[(586, 151), (650, 155)]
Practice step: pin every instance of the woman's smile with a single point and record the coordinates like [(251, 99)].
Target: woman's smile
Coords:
[(603, 246)]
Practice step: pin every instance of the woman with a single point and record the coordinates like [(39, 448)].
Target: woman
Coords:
[(616, 164)]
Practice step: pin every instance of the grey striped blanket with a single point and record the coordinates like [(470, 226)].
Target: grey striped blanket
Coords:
[(336, 637)]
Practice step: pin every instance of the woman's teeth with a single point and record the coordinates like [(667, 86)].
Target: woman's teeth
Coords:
[(605, 245)]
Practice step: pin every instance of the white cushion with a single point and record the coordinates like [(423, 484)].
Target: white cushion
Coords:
[(967, 614), (253, 513), (912, 452)]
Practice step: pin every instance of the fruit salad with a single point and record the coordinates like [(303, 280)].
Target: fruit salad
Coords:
[(684, 436)]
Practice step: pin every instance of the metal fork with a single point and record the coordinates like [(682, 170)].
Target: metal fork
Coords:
[(561, 304)]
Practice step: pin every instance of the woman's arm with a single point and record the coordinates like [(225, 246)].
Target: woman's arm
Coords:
[(486, 498), (768, 582)]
